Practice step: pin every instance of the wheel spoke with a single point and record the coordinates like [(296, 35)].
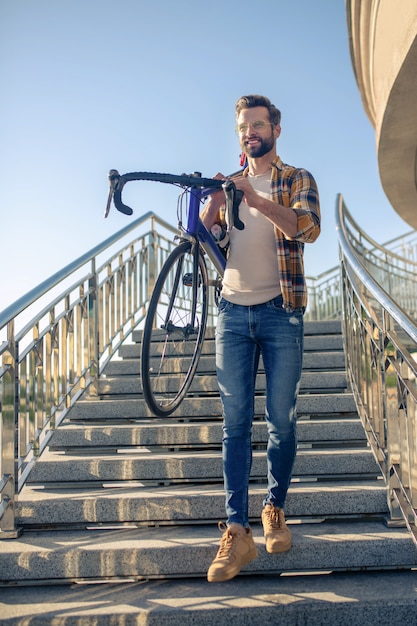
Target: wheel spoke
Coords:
[(174, 331)]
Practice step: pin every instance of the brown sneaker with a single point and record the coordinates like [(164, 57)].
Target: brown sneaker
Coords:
[(277, 534), (236, 549)]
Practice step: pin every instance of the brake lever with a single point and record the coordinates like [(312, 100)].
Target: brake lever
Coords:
[(233, 199), (114, 178)]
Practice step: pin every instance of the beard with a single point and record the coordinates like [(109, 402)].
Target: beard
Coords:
[(265, 146)]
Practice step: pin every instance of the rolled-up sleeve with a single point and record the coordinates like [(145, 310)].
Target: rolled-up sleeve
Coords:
[(296, 189), (304, 200)]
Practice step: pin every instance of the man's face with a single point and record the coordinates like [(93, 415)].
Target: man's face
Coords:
[(257, 135)]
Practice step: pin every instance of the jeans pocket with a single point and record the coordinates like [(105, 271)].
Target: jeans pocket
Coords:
[(223, 305), (277, 306), (277, 303)]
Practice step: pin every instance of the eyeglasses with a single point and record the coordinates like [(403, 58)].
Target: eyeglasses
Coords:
[(257, 126)]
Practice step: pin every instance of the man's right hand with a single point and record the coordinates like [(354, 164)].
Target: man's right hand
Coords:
[(211, 212)]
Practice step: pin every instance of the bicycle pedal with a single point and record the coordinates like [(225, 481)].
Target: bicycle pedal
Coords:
[(187, 280)]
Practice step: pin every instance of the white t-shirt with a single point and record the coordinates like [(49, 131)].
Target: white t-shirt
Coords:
[(251, 275)]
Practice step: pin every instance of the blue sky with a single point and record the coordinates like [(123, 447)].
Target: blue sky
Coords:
[(90, 85)]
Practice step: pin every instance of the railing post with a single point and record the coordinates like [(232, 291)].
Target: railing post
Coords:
[(93, 330), (9, 439), (152, 265), (312, 298)]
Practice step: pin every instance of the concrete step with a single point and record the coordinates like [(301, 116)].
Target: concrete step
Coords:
[(55, 506), (320, 343), (308, 404), (187, 551), (190, 466), (311, 382), (324, 328), (121, 494), (339, 599), (169, 433), (316, 361)]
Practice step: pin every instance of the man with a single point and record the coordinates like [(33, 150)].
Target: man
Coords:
[(261, 312)]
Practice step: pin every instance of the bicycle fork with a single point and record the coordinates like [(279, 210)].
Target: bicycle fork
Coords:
[(190, 279)]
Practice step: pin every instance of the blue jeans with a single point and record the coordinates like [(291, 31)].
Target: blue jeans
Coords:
[(242, 334)]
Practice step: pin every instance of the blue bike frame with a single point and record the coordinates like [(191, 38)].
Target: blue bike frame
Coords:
[(196, 229)]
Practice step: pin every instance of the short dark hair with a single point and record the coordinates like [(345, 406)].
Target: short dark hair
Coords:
[(247, 102)]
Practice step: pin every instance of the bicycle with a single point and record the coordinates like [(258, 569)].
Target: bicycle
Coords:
[(176, 319)]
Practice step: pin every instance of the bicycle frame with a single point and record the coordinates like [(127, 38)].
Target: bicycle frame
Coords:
[(197, 231)]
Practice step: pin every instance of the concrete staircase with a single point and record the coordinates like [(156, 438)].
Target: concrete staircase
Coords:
[(124, 497)]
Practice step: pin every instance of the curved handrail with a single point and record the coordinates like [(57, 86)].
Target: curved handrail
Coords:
[(376, 246), (366, 278), (398, 270)]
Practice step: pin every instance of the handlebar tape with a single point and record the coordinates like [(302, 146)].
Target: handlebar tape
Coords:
[(120, 206), (236, 202)]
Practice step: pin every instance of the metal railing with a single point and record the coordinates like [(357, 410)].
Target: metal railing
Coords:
[(388, 265), (381, 345), (55, 341), (324, 296), (393, 265)]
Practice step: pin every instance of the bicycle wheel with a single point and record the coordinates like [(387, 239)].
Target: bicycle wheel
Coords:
[(174, 329)]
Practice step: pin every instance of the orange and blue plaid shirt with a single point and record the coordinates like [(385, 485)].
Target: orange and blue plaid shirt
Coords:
[(294, 188)]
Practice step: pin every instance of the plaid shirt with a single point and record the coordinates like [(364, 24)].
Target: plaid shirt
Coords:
[(295, 188)]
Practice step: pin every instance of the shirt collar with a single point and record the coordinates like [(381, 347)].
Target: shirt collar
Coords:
[(276, 163)]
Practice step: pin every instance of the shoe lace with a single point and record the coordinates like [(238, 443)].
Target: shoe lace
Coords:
[(226, 542), (274, 518)]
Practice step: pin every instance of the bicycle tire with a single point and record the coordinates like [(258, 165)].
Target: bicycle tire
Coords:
[(171, 348)]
